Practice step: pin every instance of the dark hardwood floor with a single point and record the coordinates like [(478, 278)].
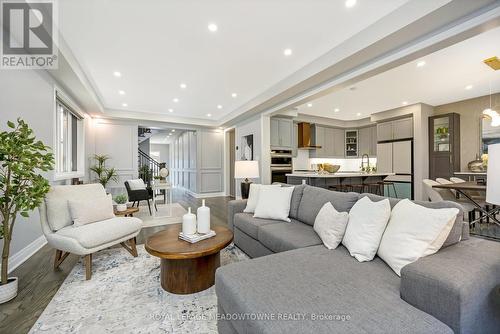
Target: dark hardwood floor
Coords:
[(38, 282)]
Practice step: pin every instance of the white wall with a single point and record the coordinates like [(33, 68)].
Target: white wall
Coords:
[(250, 127), (163, 150), (30, 95), (118, 140)]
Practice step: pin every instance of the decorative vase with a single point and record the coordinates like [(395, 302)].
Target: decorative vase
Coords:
[(9, 290), (189, 223), (476, 165), (203, 214), (121, 207)]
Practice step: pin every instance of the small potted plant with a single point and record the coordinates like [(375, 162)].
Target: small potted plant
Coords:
[(121, 202)]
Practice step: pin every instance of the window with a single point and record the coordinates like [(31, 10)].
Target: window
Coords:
[(69, 140)]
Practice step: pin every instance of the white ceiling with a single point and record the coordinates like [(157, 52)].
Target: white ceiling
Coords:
[(157, 45), (441, 80)]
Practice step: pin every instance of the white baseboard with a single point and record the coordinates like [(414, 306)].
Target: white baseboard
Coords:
[(17, 259)]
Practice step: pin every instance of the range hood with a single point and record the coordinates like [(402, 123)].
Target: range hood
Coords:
[(307, 137)]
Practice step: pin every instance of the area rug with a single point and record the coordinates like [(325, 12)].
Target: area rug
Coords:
[(125, 296), (163, 210)]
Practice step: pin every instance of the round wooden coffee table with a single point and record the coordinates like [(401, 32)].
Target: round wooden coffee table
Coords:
[(185, 267)]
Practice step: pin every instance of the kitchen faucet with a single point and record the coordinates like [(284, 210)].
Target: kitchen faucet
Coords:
[(363, 162)]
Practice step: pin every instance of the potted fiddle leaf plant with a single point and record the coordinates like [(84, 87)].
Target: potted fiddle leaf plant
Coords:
[(22, 188)]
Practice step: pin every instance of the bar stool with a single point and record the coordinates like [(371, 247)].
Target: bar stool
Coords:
[(374, 188), (388, 184)]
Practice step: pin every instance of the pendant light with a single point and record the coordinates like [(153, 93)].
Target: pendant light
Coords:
[(492, 114)]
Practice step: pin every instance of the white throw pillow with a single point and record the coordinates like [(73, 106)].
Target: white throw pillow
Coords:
[(413, 232), (274, 203), (91, 211), (367, 222), (253, 196), (330, 225), (136, 184)]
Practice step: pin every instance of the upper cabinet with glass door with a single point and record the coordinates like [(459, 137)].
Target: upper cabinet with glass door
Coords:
[(441, 134)]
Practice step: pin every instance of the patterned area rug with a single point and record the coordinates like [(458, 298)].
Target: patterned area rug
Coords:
[(125, 296)]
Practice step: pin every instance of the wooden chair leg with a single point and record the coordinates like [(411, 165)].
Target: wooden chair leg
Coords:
[(132, 249), (88, 266), (59, 258)]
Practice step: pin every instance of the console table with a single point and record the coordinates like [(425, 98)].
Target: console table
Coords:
[(165, 186)]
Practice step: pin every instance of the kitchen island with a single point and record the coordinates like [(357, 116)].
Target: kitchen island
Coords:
[(335, 180)]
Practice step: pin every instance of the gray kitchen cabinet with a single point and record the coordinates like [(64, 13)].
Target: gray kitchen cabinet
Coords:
[(295, 139), (281, 133), (331, 140), (338, 143), (328, 142), (368, 141), (395, 130), (275, 139), (402, 128), (384, 131)]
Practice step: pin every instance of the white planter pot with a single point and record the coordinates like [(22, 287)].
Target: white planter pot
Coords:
[(8, 291), (121, 207)]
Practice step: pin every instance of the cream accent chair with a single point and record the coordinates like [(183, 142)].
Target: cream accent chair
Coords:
[(58, 228), (438, 195)]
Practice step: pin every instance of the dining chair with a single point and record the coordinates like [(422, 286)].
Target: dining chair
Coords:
[(438, 195)]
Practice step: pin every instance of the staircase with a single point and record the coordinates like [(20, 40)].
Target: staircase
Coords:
[(148, 167)]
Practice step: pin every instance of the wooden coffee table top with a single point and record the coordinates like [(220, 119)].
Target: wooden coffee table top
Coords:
[(167, 245)]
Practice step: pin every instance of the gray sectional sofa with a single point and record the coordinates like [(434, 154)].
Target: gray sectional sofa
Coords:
[(296, 285)]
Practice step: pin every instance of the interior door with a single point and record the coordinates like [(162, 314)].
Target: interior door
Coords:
[(384, 158), (401, 162)]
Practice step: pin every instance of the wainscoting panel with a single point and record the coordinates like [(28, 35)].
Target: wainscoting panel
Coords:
[(211, 182)]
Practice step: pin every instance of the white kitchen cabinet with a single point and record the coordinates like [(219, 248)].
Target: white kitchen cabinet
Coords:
[(401, 157), (384, 158)]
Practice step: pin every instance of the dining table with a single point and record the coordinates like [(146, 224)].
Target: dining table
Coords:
[(464, 189)]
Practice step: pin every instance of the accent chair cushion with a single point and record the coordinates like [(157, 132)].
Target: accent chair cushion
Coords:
[(406, 238), (367, 222), (103, 232), (330, 225), (91, 210), (56, 202), (136, 184)]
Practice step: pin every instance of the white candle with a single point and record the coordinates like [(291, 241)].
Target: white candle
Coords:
[(189, 223), (203, 218)]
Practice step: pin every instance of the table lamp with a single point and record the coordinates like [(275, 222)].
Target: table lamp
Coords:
[(246, 169), (493, 176)]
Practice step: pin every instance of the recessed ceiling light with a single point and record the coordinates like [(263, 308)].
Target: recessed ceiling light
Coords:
[(309, 105), (358, 114), (350, 3), (421, 63), (287, 52), (336, 110), (121, 92), (213, 27), (170, 110), (175, 100), (124, 105), (209, 115), (404, 103), (117, 74), (468, 87), (234, 95), (183, 85), (173, 130), (219, 106)]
